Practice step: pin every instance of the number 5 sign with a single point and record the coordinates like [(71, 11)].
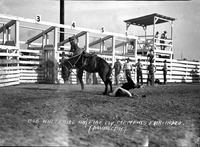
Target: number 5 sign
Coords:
[(38, 18)]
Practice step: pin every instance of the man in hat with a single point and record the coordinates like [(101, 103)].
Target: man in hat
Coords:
[(75, 49), (117, 67), (139, 72), (150, 56), (151, 70), (156, 36), (163, 36), (165, 72), (127, 67)]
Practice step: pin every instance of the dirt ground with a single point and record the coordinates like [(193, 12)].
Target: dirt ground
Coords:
[(63, 115)]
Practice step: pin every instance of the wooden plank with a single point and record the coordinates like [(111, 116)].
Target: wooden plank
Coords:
[(30, 62), (3, 72), (185, 62), (9, 84), (67, 40), (30, 67), (4, 61), (40, 35), (9, 80), (31, 81), (39, 52), (6, 76), (9, 54), (10, 68), (117, 45), (100, 40), (7, 25), (31, 78), (30, 57), (6, 47), (31, 74)]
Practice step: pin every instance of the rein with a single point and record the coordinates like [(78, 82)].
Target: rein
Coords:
[(72, 65)]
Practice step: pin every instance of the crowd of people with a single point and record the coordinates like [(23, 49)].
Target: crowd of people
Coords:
[(127, 68)]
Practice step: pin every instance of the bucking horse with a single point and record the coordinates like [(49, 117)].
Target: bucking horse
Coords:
[(91, 63)]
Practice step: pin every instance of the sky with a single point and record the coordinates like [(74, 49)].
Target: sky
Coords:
[(111, 15)]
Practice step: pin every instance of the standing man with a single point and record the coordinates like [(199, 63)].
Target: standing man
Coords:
[(117, 67), (139, 72), (156, 36), (163, 36), (127, 68), (150, 56), (165, 72), (151, 70)]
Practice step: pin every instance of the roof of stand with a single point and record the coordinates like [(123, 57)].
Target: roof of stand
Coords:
[(149, 20)]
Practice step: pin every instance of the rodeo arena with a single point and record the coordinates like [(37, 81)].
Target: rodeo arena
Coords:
[(42, 102)]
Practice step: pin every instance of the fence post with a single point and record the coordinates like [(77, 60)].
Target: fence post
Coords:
[(135, 54), (186, 68), (56, 55), (171, 59), (113, 53), (17, 45), (4, 35), (113, 50)]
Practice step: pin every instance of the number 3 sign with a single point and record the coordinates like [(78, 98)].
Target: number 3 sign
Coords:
[(38, 18)]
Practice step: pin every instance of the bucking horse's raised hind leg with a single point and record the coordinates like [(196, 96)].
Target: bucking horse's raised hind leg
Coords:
[(80, 77)]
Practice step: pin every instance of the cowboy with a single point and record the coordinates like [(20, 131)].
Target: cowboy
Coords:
[(139, 72), (124, 89), (127, 67), (75, 49), (156, 36), (165, 72), (117, 67), (150, 56), (151, 70)]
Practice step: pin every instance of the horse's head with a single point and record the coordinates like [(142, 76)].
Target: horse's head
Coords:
[(65, 69)]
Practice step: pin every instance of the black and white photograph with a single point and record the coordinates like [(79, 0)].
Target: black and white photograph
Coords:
[(77, 73)]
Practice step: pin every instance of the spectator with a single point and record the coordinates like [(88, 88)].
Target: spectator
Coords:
[(117, 67), (127, 68), (139, 72), (151, 70), (156, 36), (165, 72), (162, 42), (150, 56)]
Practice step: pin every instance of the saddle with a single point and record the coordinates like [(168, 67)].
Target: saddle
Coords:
[(88, 58)]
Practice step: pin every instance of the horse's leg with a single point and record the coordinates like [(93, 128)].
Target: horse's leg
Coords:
[(110, 83), (104, 79), (108, 79), (106, 87), (80, 75)]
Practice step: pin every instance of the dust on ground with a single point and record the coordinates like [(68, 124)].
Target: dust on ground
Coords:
[(63, 115)]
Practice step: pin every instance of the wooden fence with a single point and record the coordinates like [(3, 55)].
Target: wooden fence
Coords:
[(9, 65), (29, 62), (27, 66)]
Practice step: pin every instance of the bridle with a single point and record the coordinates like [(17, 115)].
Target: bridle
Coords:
[(72, 65)]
